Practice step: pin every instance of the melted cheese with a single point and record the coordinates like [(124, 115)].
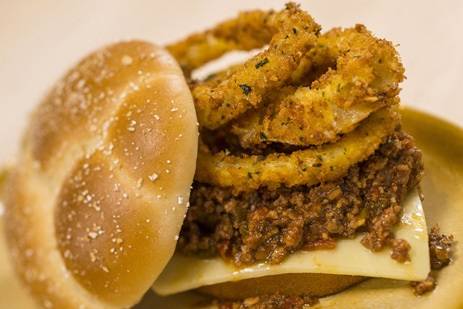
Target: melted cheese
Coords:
[(349, 258)]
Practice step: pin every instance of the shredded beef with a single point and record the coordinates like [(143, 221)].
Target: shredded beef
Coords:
[(268, 225), (270, 302)]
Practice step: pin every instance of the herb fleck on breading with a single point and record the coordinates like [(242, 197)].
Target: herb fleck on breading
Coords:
[(246, 89), (261, 63)]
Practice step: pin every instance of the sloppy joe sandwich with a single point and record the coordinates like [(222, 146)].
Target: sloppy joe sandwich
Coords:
[(302, 183)]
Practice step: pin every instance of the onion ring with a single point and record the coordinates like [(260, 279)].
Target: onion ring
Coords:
[(367, 75), (250, 30), (293, 33), (305, 167)]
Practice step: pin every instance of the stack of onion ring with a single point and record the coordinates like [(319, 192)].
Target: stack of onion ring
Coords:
[(332, 97), (290, 34)]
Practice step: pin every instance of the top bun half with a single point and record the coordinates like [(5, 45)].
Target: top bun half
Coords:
[(97, 198)]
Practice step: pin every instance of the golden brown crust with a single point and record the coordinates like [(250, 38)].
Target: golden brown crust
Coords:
[(247, 31), (294, 284), (101, 187), (304, 167), (292, 32), (361, 74)]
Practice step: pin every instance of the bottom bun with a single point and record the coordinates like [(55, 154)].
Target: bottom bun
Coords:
[(288, 284)]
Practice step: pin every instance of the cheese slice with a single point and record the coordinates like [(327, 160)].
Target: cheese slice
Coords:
[(349, 257)]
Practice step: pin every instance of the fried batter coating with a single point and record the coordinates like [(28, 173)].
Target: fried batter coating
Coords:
[(365, 77), (249, 30), (292, 31), (3, 175), (304, 167)]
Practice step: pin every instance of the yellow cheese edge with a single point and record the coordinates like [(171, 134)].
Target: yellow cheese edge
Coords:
[(348, 258)]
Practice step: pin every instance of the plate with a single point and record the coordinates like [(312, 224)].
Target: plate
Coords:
[(442, 146)]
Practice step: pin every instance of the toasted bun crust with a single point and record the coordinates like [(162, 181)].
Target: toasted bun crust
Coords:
[(288, 284), (101, 187)]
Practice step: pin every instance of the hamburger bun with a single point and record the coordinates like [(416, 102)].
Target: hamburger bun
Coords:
[(317, 285), (96, 200)]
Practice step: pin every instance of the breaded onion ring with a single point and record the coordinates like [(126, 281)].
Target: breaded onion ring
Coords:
[(293, 32), (367, 74), (249, 30), (304, 167)]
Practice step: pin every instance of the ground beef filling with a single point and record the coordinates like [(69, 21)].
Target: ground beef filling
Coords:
[(270, 302), (440, 249), (268, 225), (440, 254)]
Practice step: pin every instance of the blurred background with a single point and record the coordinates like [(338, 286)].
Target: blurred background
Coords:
[(41, 39)]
